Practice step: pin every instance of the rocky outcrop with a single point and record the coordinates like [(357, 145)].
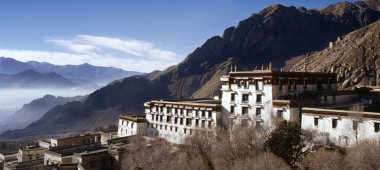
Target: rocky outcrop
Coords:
[(354, 57)]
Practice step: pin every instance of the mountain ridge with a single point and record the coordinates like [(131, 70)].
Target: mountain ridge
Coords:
[(275, 35)]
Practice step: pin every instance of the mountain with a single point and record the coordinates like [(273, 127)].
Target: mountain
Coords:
[(11, 66), (84, 74), (275, 35), (33, 79), (354, 57), (34, 110)]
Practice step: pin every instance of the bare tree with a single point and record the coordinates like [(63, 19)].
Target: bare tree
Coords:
[(323, 159), (265, 161)]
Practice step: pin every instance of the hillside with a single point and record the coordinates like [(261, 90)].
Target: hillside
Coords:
[(354, 57), (33, 111), (275, 34), (33, 79)]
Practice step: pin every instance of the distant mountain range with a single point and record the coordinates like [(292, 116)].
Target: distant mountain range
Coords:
[(85, 74), (34, 110), (33, 79), (276, 34)]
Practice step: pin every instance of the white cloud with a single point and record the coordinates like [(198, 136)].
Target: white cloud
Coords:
[(101, 51), (63, 58), (89, 44)]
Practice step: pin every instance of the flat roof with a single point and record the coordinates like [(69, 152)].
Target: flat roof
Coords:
[(347, 113), (193, 102), (279, 73), (134, 118)]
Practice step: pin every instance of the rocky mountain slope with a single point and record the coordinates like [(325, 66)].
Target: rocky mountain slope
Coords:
[(33, 79), (34, 110), (354, 57), (275, 34)]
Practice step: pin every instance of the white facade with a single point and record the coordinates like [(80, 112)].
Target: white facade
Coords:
[(261, 97), (340, 126), (175, 121), (131, 125)]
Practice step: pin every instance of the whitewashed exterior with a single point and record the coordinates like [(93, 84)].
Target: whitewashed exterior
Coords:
[(130, 125), (175, 121), (342, 127), (261, 97)]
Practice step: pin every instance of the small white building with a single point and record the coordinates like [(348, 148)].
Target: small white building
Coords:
[(177, 120), (130, 125), (342, 127)]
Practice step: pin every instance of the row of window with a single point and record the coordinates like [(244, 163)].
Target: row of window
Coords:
[(334, 124), (244, 110), (245, 98), (294, 85), (171, 128), (189, 112), (180, 121), (245, 84), (126, 123)]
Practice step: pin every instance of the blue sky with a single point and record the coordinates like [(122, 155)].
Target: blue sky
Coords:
[(141, 35)]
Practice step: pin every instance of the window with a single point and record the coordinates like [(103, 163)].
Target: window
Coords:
[(246, 84), (176, 111), (239, 83), (257, 85), (188, 122), (168, 119), (244, 110), (377, 126), (325, 98), (315, 121), (175, 120), (354, 124), (334, 123), (169, 110), (209, 125), (304, 85), (279, 114), (161, 118), (258, 98), (181, 121), (156, 109), (176, 129), (294, 85), (184, 131), (180, 111), (329, 84), (209, 114), (203, 123), (280, 84), (258, 124), (203, 113), (152, 117), (196, 114), (189, 112), (258, 112), (232, 109), (161, 109), (289, 85), (132, 125), (196, 122), (232, 96), (245, 98)]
